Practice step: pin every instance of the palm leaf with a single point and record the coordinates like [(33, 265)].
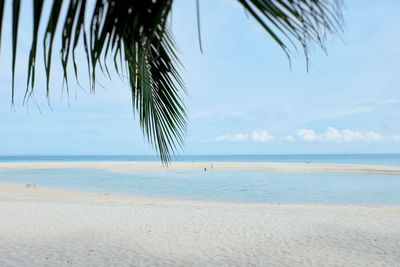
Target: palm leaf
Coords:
[(37, 12), (15, 18), (136, 36), (304, 21), (1, 16)]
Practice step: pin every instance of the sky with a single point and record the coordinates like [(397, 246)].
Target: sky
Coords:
[(243, 96)]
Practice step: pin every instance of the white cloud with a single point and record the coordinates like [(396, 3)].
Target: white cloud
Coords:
[(396, 137), (373, 136), (261, 136), (332, 135), (254, 136), (336, 135), (329, 135), (232, 137), (307, 134)]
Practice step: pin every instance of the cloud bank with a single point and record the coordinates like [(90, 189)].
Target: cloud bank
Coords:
[(339, 136), (254, 136), (232, 137), (330, 135)]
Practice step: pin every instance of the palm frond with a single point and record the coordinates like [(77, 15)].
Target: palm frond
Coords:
[(136, 36), (37, 14), (1, 17), (15, 18), (305, 21)]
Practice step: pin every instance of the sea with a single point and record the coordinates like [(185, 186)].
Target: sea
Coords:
[(334, 188)]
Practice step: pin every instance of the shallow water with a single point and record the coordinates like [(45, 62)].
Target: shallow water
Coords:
[(236, 186)]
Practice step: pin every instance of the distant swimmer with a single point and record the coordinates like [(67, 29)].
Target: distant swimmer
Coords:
[(205, 169)]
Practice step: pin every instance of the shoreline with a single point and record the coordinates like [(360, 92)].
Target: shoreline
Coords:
[(23, 192), (133, 166), (44, 226)]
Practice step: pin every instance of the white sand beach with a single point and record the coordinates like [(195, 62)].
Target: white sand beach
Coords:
[(49, 227), (129, 166)]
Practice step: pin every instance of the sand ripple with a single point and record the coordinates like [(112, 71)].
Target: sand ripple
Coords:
[(40, 227)]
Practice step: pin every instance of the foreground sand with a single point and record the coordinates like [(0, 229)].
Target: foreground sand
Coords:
[(48, 227)]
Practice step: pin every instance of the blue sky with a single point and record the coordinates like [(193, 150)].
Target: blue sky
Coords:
[(243, 96)]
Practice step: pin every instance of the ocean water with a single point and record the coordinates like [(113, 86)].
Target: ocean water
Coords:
[(235, 186), (375, 159)]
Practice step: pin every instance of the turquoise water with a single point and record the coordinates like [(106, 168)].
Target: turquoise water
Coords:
[(236, 186), (376, 159)]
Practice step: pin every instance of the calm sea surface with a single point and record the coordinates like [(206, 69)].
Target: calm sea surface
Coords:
[(236, 186)]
